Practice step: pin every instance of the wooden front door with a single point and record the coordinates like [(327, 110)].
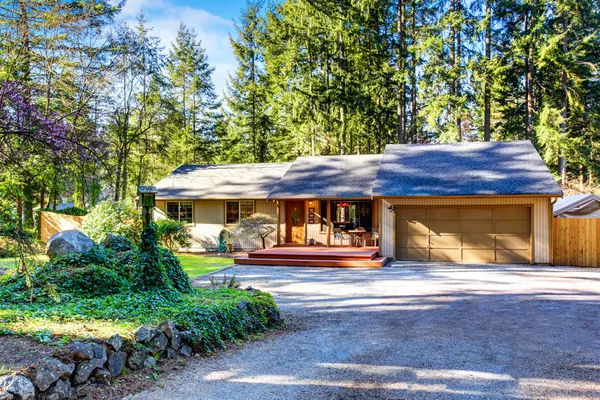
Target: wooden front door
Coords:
[(294, 222)]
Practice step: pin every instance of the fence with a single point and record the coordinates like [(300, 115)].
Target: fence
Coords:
[(51, 223), (576, 241)]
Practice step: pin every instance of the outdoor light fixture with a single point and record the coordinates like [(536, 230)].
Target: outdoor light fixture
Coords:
[(392, 208), (310, 203)]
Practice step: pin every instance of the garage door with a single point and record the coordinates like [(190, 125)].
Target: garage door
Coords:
[(465, 234)]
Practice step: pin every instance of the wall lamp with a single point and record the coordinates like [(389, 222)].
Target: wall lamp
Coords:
[(392, 208)]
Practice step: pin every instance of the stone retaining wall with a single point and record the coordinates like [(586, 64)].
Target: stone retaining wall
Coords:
[(97, 361)]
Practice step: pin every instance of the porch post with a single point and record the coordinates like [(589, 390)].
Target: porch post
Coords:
[(278, 223), (328, 222)]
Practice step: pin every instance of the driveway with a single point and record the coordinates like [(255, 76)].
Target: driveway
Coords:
[(413, 331)]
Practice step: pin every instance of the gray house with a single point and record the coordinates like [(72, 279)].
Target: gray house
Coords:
[(469, 202)]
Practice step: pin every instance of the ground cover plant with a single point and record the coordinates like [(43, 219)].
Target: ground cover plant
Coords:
[(107, 291)]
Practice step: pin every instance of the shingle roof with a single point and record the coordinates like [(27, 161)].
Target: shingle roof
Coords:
[(462, 169), (349, 176), (236, 181), (572, 203)]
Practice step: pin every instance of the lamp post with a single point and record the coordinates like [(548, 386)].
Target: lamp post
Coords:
[(147, 198)]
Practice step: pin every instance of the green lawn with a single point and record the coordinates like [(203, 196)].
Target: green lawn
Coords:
[(197, 265), (192, 264)]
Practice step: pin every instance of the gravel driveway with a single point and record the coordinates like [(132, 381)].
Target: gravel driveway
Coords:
[(413, 331)]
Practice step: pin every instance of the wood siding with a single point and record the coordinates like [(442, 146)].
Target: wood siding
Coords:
[(52, 223), (576, 241), (541, 216)]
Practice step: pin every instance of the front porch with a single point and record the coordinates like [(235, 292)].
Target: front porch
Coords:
[(315, 256)]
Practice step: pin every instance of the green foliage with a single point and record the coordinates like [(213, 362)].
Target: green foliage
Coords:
[(179, 279), (119, 218), (225, 282), (76, 211), (225, 241), (173, 234), (118, 243)]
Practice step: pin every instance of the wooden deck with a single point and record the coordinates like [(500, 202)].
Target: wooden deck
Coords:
[(315, 256)]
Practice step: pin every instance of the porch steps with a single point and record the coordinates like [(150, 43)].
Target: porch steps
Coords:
[(376, 262), (315, 256)]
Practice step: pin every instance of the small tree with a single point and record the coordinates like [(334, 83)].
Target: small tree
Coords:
[(114, 217), (173, 234), (256, 225)]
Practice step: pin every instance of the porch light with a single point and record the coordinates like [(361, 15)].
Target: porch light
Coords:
[(147, 196)]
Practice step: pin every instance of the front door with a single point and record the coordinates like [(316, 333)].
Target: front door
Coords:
[(294, 227)]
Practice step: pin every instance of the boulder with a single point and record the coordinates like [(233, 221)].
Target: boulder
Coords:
[(65, 242), (185, 351), (158, 343), (115, 341), (149, 363), (136, 359), (18, 386), (61, 391), (176, 340), (80, 351), (171, 354), (50, 371), (116, 362), (185, 335), (274, 316), (143, 334), (102, 376), (86, 368), (167, 327)]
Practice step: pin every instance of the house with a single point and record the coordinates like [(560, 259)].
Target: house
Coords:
[(466, 202), (578, 206)]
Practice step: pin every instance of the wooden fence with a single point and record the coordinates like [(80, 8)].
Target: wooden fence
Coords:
[(576, 241), (51, 223)]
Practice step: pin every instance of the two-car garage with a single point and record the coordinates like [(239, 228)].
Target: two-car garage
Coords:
[(464, 234)]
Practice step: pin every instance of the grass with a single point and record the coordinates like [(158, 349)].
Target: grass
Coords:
[(195, 265), (192, 264)]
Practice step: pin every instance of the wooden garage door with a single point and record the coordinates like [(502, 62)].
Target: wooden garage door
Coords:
[(464, 234)]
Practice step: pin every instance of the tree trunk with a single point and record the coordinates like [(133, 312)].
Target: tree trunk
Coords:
[(20, 211), (401, 66), (452, 64), (562, 164), (413, 77), (459, 72), (487, 112)]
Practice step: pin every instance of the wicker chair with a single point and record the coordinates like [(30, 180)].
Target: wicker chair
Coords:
[(338, 234)]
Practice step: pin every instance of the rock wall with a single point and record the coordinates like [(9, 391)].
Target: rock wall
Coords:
[(97, 361)]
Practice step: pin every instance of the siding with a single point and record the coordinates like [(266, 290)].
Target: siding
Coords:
[(541, 213)]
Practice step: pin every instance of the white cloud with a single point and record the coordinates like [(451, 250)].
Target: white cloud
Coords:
[(165, 17)]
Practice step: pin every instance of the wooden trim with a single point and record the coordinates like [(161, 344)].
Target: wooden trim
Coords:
[(328, 222), (466, 196), (278, 223)]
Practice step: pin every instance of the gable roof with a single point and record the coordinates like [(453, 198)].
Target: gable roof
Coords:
[(219, 182), (464, 169), (350, 176), (577, 205)]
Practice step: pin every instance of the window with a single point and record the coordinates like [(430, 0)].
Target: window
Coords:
[(352, 214), (237, 210), (182, 211)]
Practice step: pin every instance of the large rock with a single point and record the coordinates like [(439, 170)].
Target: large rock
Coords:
[(18, 386), (49, 371), (80, 351), (136, 359), (115, 341), (85, 368), (158, 343), (116, 362), (66, 242), (102, 376), (143, 334), (61, 391)]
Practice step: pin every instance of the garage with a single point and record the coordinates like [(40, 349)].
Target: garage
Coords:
[(464, 234)]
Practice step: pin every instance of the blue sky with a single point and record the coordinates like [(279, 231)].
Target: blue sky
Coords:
[(212, 21)]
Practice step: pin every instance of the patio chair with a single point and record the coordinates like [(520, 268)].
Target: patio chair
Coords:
[(372, 238), (338, 234)]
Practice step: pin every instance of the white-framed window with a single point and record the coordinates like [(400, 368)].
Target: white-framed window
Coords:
[(237, 210), (182, 211)]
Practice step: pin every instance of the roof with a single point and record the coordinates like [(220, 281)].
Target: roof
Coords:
[(580, 204), (349, 176), (464, 169), (209, 181)]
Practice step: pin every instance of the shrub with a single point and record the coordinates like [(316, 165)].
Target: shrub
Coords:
[(117, 243), (118, 218), (179, 279), (256, 225), (226, 241), (173, 234)]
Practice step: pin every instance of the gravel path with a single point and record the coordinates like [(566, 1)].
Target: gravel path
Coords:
[(413, 331)]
